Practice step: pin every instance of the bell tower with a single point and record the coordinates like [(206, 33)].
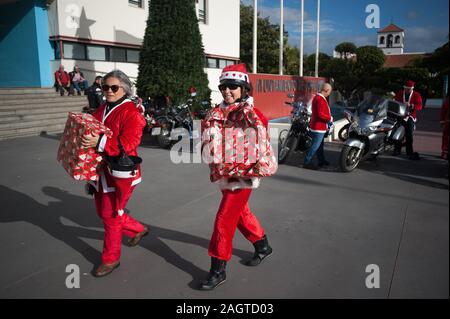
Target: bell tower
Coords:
[(391, 40)]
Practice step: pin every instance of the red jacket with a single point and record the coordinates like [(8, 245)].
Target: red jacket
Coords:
[(415, 100), (321, 114), (63, 77), (126, 121)]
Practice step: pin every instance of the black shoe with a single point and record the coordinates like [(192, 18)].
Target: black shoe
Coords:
[(262, 250), (414, 156), (324, 164), (216, 275), (79, 93), (310, 166)]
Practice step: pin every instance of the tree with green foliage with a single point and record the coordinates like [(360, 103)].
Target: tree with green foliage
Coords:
[(369, 59), (268, 42), (310, 63), (345, 49), (172, 58), (292, 60)]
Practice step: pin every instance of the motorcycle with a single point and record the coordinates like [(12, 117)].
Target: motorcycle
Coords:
[(175, 117), (375, 127), (297, 137), (349, 105)]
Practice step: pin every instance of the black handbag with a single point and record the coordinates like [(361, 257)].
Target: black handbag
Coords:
[(123, 166)]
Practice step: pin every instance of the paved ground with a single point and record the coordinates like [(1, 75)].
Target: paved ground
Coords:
[(325, 228)]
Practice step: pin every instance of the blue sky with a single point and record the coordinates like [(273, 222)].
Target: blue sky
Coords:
[(426, 23)]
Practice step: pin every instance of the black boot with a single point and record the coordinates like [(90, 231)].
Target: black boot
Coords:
[(216, 275), (262, 250)]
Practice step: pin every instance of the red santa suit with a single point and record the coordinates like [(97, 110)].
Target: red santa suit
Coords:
[(237, 165), (113, 193), (321, 114), (414, 100), (445, 129)]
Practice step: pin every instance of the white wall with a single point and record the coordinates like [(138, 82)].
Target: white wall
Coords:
[(221, 34), (107, 20)]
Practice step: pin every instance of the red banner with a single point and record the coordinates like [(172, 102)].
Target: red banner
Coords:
[(270, 92)]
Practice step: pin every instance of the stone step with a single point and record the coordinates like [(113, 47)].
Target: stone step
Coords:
[(32, 131), (30, 96), (59, 118), (42, 110), (37, 106), (31, 117), (8, 91), (52, 99)]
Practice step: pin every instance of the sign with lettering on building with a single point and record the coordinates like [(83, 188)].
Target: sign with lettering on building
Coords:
[(270, 92)]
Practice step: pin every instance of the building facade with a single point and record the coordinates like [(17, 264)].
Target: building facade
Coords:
[(100, 36)]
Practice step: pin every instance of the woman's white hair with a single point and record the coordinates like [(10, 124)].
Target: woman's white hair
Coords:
[(123, 78)]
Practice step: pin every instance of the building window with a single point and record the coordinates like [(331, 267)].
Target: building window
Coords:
[(397, 39), (96, 53), (390, 40), (215, 63), (90, 52), (118, 55), (132, 56), (74, 51), (135, 3), (202, 9), (381, 40)]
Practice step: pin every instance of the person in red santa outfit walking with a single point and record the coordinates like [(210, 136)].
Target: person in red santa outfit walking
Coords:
[(445, 128), (413, 101), (237, 163), (116, 184)]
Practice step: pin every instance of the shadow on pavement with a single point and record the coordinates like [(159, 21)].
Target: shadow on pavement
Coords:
[(419, 172), (17, 207)]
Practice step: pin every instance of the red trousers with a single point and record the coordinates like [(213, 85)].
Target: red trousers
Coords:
[(115, 225), (233, 213)]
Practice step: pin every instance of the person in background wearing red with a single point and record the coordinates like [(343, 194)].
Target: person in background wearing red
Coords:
[(320, 122), (445, 128), (62, 80), (413, 101)]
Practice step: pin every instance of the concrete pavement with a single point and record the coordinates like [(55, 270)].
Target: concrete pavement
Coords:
[(325, 227)]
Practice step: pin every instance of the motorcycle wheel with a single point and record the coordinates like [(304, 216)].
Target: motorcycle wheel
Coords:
[(286, 144), (343, 132), (348, 160), (164, 140)]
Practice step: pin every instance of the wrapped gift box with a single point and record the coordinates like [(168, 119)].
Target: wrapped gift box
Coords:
[(81, 163)]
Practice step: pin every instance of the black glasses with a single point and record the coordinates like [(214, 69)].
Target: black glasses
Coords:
[(114, 88), (232, 87)]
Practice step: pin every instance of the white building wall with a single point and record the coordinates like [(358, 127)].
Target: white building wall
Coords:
[(115, 21)]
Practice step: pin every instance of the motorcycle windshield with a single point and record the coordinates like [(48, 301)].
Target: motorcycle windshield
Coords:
[(372, 109)]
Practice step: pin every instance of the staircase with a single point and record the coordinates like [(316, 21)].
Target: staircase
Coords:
[(32, 111)]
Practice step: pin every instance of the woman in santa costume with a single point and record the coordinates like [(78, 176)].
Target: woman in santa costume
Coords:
[(114, 187), (236, 145), (413, 101)]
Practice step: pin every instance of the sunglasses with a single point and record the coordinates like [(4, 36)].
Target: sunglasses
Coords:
[(232, 87), (114, 88)]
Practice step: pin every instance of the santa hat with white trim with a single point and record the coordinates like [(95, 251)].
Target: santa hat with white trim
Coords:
[(409, 85), (235, 74)]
